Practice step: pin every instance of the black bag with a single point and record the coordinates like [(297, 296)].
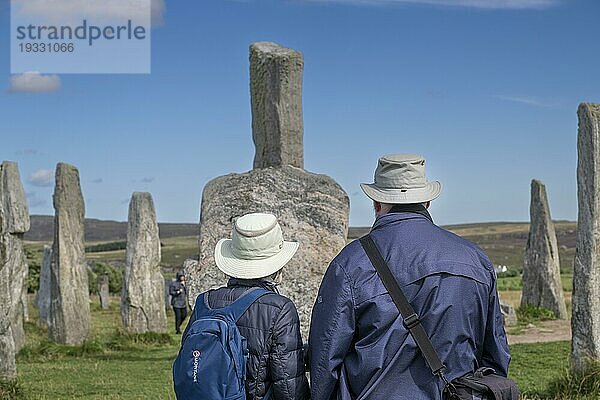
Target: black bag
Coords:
[(483, 384)]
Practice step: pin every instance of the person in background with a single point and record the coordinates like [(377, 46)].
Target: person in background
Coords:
[(178, 292)]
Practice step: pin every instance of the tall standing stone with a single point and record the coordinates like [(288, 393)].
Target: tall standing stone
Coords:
[(43, 294), (312, 209), (276, 96), (585, 323), (142, 299), (542, 286), (69, 291), (22, 310), (25, 298), (104, 291), (14, 222)]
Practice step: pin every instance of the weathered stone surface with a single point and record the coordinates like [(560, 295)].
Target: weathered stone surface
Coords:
[(69, 291), (25, 299), (103, 291), (22, 311), (312, 210), (542, 286), (8, 367), (42, 298), (142, 299), (14, 216), (585, 323), (276, 93), (11, 328), (14, 221), (509, 315), (167, 294)]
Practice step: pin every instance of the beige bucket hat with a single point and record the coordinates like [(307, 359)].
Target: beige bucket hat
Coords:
[(256, 248), (400, 179)]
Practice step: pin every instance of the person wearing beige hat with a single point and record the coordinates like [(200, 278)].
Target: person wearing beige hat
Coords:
[(360, 345), (253, 259)]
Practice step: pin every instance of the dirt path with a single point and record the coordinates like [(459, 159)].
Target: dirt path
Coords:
[(547, 331)]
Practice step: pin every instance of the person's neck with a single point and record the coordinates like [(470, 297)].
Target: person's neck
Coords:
[(411, 208)]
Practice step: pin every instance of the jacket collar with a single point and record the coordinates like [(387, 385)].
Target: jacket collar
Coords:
[(235, 282), (401, 213)]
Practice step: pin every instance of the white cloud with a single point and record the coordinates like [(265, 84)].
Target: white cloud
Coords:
[(42, 177), (148, 179), (483, 4), (34, 82), (106, 10), (28, 152), (34, 200), (527, 100)]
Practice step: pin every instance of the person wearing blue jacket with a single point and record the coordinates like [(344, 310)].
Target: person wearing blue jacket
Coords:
[(359, 347)]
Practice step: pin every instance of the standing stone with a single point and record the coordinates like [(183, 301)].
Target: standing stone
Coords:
[(276, 96), (168, 283), (312, 209), (103, 291), (585, 323), (142, 299), (542, 286), (22, 310), (509, 315), (42, 298), (69, 291), (25, 298), (14, 222), (190, 264)]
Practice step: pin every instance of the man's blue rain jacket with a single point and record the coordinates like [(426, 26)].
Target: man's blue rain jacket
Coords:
[(451, 284)]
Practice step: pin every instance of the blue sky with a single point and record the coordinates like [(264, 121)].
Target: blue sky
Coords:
[(487, 91)]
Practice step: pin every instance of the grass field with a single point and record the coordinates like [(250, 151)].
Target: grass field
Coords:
[(174, 251), (113, 365), (110, 366)]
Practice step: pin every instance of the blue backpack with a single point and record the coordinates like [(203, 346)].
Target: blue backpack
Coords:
[(211, 363)]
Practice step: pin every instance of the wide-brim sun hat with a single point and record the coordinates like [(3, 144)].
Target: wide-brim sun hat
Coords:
[(400, 179), (256, 248)]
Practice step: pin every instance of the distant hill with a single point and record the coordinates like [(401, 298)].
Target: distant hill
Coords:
[(42, 229), (504, 242)]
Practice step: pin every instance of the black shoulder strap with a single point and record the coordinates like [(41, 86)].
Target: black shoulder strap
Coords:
[(410, 318)]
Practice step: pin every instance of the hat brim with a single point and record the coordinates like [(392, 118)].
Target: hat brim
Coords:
[(402, 196), (251, 269)]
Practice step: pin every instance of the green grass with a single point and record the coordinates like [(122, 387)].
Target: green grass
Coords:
[(529, 315), (583, 384), (10, 391), (515, 283), (535, 366), (116, 365), (111, 365), (542, 372)]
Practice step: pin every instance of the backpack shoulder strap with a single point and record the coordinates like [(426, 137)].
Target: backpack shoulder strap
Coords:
[(410, 318), (239, 307), (200, 308)]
